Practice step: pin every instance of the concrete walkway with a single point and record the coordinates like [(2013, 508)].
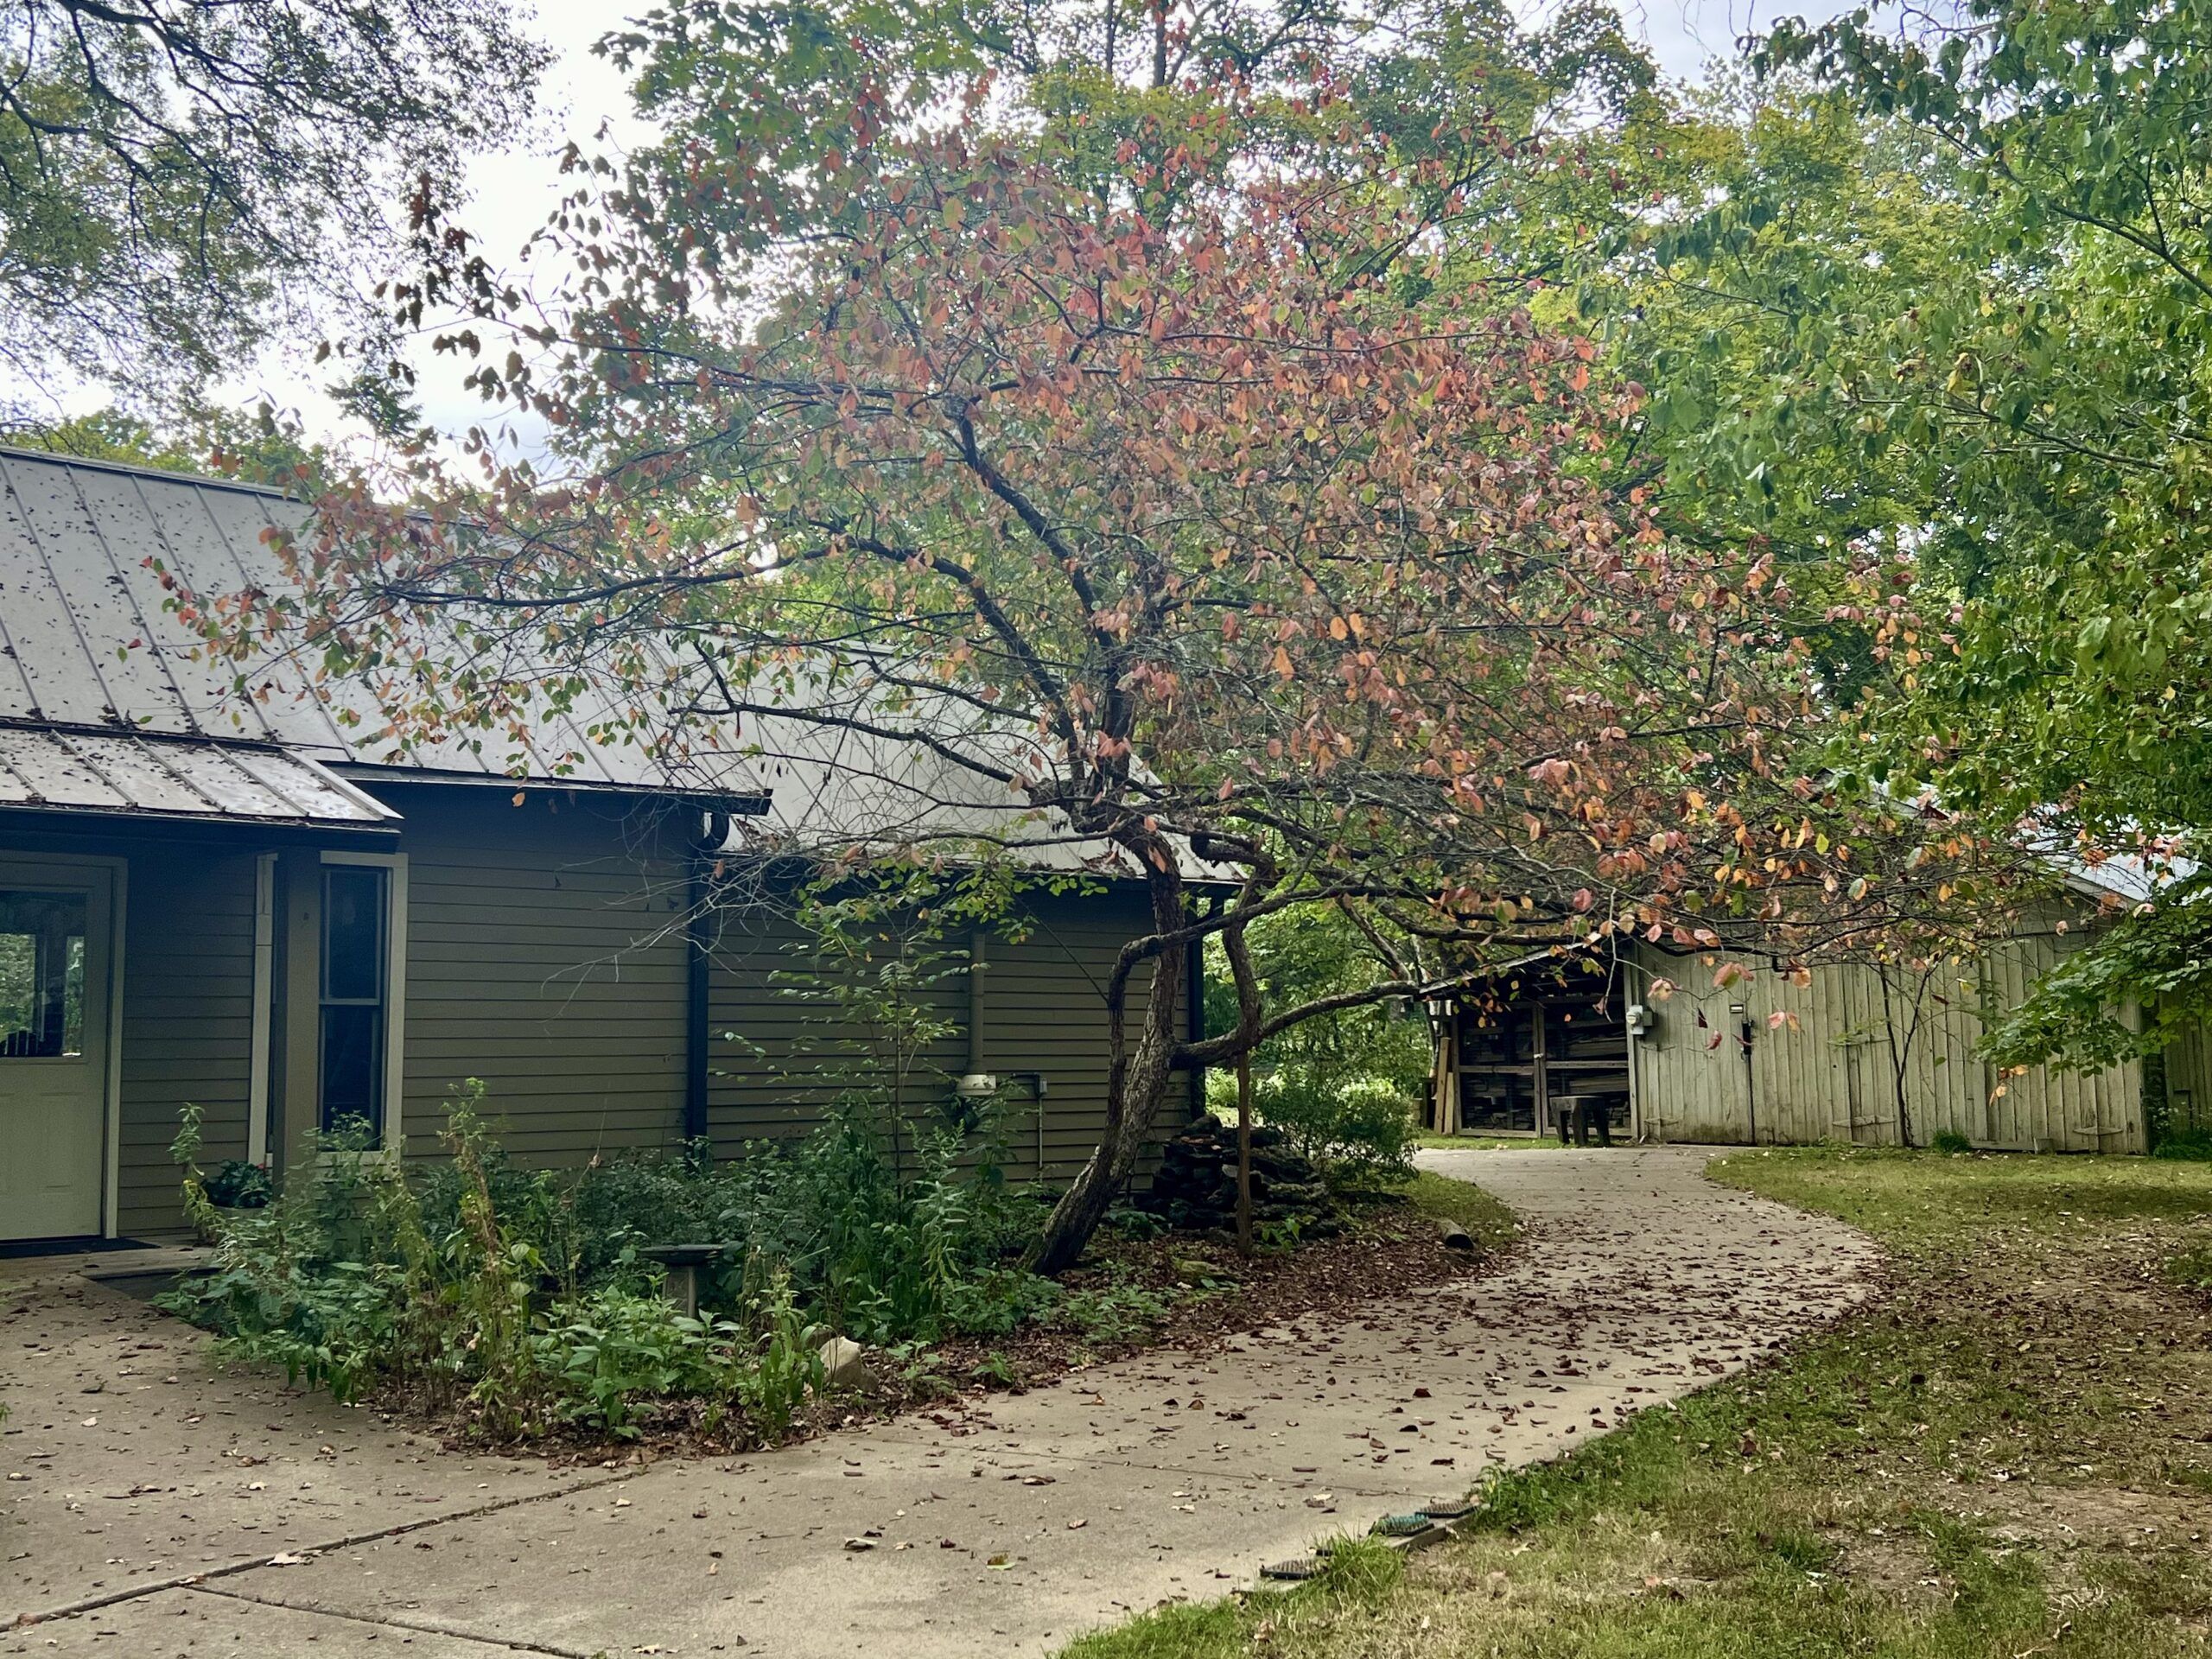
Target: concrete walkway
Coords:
[(176, 1511)]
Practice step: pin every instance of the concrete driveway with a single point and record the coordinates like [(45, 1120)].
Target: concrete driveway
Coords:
[(178, 1510)]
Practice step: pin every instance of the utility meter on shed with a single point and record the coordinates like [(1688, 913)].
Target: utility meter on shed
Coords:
[(1637, 1019)]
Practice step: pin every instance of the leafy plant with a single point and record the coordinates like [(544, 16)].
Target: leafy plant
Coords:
[(2192, 1145), (606, 1349), (1949, 1140), (1360, 1128), (523, 1296), (237, 1185)]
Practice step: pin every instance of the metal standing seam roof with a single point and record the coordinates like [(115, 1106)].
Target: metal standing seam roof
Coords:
[(106, 704), (89, 641), (177, 778)]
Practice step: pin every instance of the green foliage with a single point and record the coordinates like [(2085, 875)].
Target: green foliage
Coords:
[(802, 84), (257, 446), (2192, 1267), (177, 182), (2190, 1145), (523, 1298), (2136, 987), (1308, 952), (2008, 407), (1949, 1142), (1359, 1128)]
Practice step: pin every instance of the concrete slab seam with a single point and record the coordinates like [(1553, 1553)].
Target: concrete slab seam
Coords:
[(231, 1570)]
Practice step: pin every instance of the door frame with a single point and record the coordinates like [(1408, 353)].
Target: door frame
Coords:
[(117, 869)]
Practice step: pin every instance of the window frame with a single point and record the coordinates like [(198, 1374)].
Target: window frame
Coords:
[(390, 1127)]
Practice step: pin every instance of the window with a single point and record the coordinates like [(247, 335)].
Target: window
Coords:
[(354, 996), (42, 975)]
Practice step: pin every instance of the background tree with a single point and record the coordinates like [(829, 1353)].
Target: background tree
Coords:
[(1312, 951), (257, 445), (2024, 389), (181, 180), (804, 83)]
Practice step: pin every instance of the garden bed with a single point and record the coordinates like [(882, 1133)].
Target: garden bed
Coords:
[(1180, 1291), (499, 1306)]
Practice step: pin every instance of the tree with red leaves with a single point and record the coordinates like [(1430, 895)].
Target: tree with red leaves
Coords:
[(1199, 525)]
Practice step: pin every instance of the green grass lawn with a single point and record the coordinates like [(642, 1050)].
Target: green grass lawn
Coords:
[(1435, 1142), (2010, 1457), (1489, 1222)]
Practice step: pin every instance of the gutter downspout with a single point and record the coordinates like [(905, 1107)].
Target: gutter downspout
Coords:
[(979, 968), (1750, 1087), (698, 968), (711, 835)]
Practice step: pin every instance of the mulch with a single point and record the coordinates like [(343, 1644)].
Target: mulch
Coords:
[(1389, 1249)]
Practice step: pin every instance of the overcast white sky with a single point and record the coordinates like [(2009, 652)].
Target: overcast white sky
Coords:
[(514, 191)]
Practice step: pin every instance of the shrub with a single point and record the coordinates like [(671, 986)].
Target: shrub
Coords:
[(524, 1295), (1950, 1141), (1361, 1129), (602, 1351), (237, 1185), (2193, 1144), (2192, 1268)]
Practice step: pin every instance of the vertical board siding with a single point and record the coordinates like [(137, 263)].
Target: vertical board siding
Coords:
[(188, 1020), (1830, 1071), (2188, 1081)]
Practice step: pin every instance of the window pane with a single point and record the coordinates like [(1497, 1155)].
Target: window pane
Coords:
[(42, 974), (352, 1064), (353, 934)]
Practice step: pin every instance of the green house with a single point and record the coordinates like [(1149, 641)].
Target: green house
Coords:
[(248, 904)]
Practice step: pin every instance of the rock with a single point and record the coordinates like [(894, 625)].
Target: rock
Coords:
[(844, 1362)]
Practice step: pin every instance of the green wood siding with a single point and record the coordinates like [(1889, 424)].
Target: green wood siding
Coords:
[(778, 1050), (544, 957), (187, 1019)]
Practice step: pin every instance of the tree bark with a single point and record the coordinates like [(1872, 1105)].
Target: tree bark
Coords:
[(1136, 1082)]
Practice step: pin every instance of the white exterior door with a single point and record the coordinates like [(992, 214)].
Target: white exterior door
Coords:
[(56, 977)]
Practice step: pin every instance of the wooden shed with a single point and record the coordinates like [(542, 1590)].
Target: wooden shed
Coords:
[(1859, 1053)]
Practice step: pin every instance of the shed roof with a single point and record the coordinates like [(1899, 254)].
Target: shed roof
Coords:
[(177, 778)]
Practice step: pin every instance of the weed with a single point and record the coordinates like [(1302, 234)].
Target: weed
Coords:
[(2192, 1145), (2192, 1267)]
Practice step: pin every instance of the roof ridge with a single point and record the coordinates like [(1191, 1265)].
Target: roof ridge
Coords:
[(139, 469)]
